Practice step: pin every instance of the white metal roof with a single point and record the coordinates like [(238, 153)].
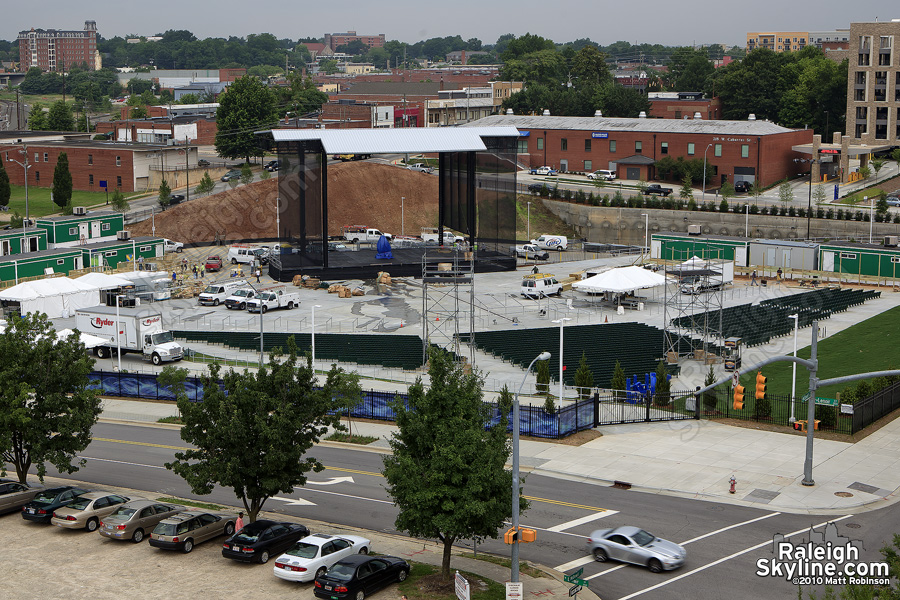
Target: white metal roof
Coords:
[(393, 141), (696, 126)]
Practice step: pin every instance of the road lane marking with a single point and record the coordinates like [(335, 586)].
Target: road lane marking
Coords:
[(148, 444), (727, 558), (122, 462), (706, 535), (349, 496), (331, 481), (294, 501), (582, 520), (578, 562), (561, 503), (616, 568)]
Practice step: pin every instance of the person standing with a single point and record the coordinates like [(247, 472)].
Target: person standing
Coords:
[(753, 278), (239, 524), (258, 273)]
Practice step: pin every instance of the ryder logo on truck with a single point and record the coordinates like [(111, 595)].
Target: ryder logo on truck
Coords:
[(151, 320), (100, 322)]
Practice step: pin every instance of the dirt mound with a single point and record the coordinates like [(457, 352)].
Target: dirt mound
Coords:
[(359, 193)]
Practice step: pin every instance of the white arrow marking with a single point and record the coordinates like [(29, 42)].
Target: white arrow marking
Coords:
[(332, 481), (294, 501)]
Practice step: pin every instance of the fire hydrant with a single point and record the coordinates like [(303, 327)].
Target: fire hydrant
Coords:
[(733, 482)]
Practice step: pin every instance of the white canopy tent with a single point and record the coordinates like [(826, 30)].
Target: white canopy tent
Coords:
[(103, 281), (620, 281), (89, 341), (55, 296)]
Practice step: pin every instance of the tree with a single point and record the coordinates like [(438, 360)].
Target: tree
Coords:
[(5, 190), (895, 155), (663, 389), (118, 202), (37, 118), (206, 185), (328, 66), (60, 117), (542, 377), (264, 175), (756, 190), (47, 404), (446, 473), (246, 107), (727, 191), (723, 205), (881, 205), (819, 194), (246, 174), (252, 432), (165, 194), (584, 378), (865, 172), (710, 399), (62, 181), (618, 377), (786, 192), (877, 163), (687, 191)]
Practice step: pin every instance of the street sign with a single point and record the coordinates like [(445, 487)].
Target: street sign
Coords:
[(574, 590), (826, 401), (574, 580), (514, 591)]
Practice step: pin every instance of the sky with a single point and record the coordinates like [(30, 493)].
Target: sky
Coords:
[(668, 22)]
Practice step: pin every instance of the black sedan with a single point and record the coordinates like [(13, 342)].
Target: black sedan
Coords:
[(41, 508), (176, 199), (360, 575), (261, 539), (742, 187)]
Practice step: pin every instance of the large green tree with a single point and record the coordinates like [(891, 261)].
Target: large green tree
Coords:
[(62, 181), (300, 96), (447, 471), (252, 433), (246, 107), (60, 117), (37, 118), (47, 406)]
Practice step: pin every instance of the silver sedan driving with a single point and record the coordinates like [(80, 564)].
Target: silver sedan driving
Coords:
[(636, 546)]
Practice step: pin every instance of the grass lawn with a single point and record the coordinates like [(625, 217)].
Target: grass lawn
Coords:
[(424, 583), (40, 204), (867, 346), (203, 505), (45, 99)]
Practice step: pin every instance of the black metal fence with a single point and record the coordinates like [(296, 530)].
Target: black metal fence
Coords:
[(776, 409), (879, 404)]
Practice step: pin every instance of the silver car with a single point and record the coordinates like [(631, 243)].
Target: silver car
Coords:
[(136, 519), (636, 546), (15, 495)]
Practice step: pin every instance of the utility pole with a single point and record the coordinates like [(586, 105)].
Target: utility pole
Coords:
[(187, 167)]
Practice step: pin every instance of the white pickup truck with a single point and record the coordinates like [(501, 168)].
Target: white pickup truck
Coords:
[(430, 234), (358, 233), (527, 251), (272, 300)]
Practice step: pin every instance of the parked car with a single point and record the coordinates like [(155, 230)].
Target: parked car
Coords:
[(86, 510), (46, 501), (259, 540), (543, 171), (636, 546), (232, 174), (271, 166), (202, 163), (135, 519), (172, 246), (309, 558), (540, 285), (238, 298), (14, 495), (655, 188), (895, 201), (184, 530), (535, 188), (360, 575), (213, 263), (421, 167), (176, 199), (742, 187), (602, 174)]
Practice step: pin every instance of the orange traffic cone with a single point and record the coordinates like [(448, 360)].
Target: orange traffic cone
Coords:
[(607, 320)]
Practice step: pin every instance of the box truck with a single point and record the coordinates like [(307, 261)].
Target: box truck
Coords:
[(140, 331)]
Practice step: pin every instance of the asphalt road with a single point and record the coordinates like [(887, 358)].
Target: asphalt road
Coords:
[(723, 542)]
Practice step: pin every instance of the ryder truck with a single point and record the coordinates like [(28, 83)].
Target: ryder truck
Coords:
[(140, 331)]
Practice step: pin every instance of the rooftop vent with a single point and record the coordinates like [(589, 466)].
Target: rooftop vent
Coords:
[(509, 111), (698, 116), (546, 112), (643, 115), (751, 117), (598, 113)]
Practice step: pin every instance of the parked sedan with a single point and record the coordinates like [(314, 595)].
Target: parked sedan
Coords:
[(86, 510), (271, 166), (360, 575), (309, 558), (41, 508), (176, 199), (636, 546), (233, 174), (14, 495), (133, 520), (182, 531), (261, 539), (742, 187), (543, 171)]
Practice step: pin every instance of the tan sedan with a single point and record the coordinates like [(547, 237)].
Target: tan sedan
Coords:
[(136, 519), (15, 495), (86, 510), (184, 530)]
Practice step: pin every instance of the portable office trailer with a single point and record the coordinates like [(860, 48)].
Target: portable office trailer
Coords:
[(74, 230), (860, 259), (682, 247), (112, 253), (34, 264), (784, 254), (20, 241)]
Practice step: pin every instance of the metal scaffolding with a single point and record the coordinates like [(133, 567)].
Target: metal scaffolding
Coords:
[(448, 299)]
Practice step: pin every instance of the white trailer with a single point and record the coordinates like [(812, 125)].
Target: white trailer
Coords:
[(140, 331)]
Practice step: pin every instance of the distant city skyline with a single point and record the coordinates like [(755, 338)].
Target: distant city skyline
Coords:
[(690, 22)]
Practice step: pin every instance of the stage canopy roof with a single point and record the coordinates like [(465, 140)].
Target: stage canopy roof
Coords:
[(395, 141), (624, 279)]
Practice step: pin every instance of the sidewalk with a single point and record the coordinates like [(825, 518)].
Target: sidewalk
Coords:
[(693, 459)]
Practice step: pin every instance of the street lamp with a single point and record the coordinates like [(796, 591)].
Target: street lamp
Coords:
[(708, 146), (796, 318), (118, 328), (562, 323), (809, 198), (871, 215), (25, 166), (402, 217), (514, 567), (646, 234), (528, 224), (313, 335)]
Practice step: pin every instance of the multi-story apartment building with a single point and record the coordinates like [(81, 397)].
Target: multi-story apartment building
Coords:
[(333, 40), (873, 84), (778, 41), (837, 39), (58, 50)]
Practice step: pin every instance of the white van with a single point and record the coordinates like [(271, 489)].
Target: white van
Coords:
[(539, 285), (247, 254), (216, 293), (552, 242), (603, 174)]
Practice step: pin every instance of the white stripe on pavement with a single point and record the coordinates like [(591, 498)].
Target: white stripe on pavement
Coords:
[(582, 520), (726, 558), (578, 562), (706, 535)]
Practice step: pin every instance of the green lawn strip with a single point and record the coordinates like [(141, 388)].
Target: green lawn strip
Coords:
[(204, 505), (351, 439), (424, 575), (40, 204), (171, 419), (506, 563)]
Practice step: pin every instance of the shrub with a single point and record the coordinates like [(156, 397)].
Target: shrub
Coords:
[(763, 408), (691, 205), (826, 415), (710, 398)]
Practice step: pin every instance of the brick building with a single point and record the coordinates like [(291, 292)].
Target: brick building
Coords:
[(333, 40), (873, 84), (778, 41), (58, 50), (160, 130), (683, 105), (737, 150)]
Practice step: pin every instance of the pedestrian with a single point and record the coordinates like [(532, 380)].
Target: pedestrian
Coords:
[(183, 265), (140, 263), (174, 276), (239, 524), (535, 270), (780, 274), (753, 278), (195, 271), (258, 273)]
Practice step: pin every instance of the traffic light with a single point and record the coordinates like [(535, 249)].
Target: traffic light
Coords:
[(738, 397), (760, 386), (525, 535)]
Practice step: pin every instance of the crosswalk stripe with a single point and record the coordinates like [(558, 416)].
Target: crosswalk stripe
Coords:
[(582, 520), (572, 564)]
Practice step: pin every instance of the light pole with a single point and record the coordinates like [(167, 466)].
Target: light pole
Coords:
[(277, 218), (747, 222), (514, 567), (871, 215), (562, 323), (118, 328), (809, 196), (313, 335), (25, 166), (402, 217), (796, 318), (528, 223), (708, 146), (646, 235)]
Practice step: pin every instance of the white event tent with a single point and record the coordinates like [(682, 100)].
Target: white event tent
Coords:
[(55, 296), (620, 281), (103, 281)]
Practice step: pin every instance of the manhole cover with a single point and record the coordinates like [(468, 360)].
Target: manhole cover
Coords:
[(853, 525), (843, 494)]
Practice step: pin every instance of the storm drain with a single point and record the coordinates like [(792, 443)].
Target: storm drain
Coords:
[(761, 496)]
